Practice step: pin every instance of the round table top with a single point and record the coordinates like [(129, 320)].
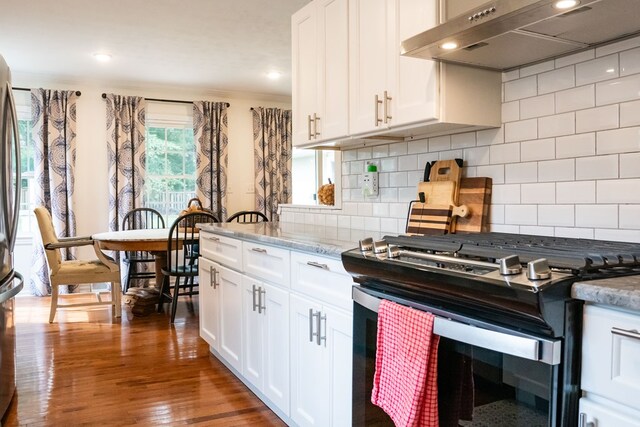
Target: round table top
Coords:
[(151, 240)]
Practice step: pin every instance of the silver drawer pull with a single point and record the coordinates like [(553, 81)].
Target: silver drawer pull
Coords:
[(318, 265), (259, 250), (213, 239), (633, 333)]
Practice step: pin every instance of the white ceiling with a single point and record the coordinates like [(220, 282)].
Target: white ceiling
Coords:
[(222, 45)]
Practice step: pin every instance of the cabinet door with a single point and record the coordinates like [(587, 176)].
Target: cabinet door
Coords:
[(230, 309), (275, 318), (252, 333), (368, 63), (304, 58), (333, 68), (208, 304), (309, 376), (603, 416), (414, 80), (338, 327)]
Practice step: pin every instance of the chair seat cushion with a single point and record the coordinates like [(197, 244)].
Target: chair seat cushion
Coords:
[(83, 267), (182, 270)]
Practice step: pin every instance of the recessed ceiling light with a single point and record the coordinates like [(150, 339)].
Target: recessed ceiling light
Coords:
[(273, 75), (449, 45), (565, 4), (102, 57)]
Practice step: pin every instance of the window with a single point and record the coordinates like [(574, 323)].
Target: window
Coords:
[(171, 162), (310, 170), (27, 224)]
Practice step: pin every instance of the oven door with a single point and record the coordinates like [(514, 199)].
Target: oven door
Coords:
[(487, 375)]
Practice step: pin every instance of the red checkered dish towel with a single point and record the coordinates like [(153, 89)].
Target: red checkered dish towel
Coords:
[(405, 384)]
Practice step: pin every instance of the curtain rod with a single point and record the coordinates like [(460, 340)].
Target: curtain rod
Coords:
[(24, 89), (104, 95)]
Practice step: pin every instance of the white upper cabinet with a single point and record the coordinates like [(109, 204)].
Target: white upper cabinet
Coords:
[(320, 77)]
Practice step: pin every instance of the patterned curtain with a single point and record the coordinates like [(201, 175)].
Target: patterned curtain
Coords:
[(210, 133), (272, 148), (53, 121), (126, 150)]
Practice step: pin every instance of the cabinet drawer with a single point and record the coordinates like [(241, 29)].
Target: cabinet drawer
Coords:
[(321, 278), (266, 262), (225, 250), (602, 415), (611, 355)]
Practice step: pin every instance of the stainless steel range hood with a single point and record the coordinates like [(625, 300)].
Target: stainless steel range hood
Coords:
[(504, 34)]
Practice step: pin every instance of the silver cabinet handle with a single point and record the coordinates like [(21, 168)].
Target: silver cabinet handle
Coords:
[(259, 250), (320, 338), (311, 316), (255, 304), (213, 239), (216, 275), (633, 333), (309, 134), (318, 265), (212, 277), (387, 98), (582, 421), (262, 306), (377, 102), (316, 134)]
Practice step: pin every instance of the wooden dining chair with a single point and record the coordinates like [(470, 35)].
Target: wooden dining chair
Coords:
[(76, 272), (135, 261), (247, 217), (182, 259)]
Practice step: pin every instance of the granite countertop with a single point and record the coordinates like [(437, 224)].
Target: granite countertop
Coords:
[(321, 240), (621, 292)]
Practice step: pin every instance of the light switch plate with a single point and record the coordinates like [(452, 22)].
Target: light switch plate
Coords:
[(370, 184)]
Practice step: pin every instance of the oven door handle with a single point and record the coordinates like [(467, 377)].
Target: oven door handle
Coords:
[(526, 347)]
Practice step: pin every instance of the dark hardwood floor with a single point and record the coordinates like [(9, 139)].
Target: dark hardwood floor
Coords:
[(86, 370)]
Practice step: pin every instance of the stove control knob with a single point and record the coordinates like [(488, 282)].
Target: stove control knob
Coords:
[(538, 269), (366, 245), (379, 247), (510, 265), (393, 251)]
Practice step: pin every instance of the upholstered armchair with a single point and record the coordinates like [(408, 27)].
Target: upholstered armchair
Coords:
[(75, 272)]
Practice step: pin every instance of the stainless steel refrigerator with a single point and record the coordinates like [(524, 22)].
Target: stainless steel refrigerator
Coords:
[(11, 281)]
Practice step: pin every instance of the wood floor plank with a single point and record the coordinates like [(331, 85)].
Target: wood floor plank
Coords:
[(87, 370)]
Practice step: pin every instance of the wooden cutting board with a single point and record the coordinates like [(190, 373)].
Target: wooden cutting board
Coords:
[(475, 193), (442, 193), (445, 170), (425, 218)]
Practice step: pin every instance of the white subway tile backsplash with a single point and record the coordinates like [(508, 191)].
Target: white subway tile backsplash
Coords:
[(630, 216), (440, 143), (619, 90), (537, 106), (510, 111), (355, 223), (357, 167), (372, 224), (490, 136), (365, 209), (556, 170), (449, 154), (597, 167), (496, 214), (331, 220), (463, 140), (618, 191), (522, 130), (383, 179), (350, 155), (575, 99), (398, 210), (521, 172), (476, 156), (521, 88), (364, 153), (630, 114), (500, 228), (540, 193), (618, 141), (604, 68), (380, 209), (575, 233), (508, 194), (538, 149), (398, 179), (427, 157), (576, 145), (415, 176), (407, 163), (630, 62), (418, 146), (389, 225), (575, 58), (379, 151), (630, 165), (505, 153), (599, 118), (537, 230), (618, 46), (556, 80), (511, 75), (407, 194), (536, 68), (389, 194), (398, 149), (495, 172), (597, 216), (558, 125), (576, 192), (556, 215), (618, 235), (521, 214)]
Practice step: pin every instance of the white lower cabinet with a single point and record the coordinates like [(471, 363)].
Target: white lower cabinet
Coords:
[(209, 302), (266, 340), (321, 341), (604, 415)]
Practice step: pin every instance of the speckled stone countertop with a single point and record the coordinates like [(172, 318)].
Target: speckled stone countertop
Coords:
[(321, 240), (621, 292)]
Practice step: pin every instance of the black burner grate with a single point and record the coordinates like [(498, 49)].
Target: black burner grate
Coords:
[(566, 253)]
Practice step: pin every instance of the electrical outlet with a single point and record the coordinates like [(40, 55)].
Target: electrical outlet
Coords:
[(370, 184)]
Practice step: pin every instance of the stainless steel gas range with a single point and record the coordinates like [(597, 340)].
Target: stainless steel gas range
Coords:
[(509, 331)]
